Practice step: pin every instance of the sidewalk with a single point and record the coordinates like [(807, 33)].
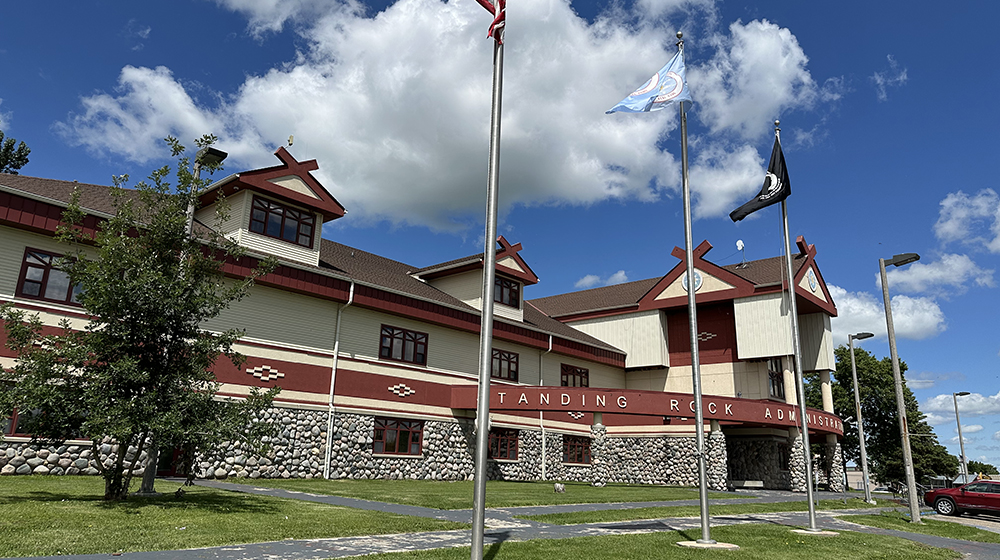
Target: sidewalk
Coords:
[(503, 526)]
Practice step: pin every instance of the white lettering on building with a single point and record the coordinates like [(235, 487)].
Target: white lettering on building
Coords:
[(601, 400), (523, 399), (673, 405), (622, 403), (711, 408), (781, 414), (543, 398), (691, 405), (501, 397), (767, 413), (564, 398)]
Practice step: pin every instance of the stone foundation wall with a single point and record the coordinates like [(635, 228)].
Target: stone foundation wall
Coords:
[(759, 459), (24, 457)]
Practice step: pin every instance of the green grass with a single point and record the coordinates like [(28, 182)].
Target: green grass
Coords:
[(901, 522), (63, 515), (757, 542), (694, 511), (458, 494)]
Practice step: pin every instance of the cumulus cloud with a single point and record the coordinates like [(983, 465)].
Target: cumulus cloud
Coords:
[(915, 318), (975, 404), (996, 436), (591, 280), (893, 76), (970, 429), (402, 133), (4, 117), (949, 275), (970, 220)]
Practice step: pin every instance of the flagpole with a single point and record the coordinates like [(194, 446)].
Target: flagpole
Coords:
[(486, 325), (797, 349), (699, 420)]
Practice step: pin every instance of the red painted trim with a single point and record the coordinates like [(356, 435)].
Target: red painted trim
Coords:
[(507, 250), (741, 286)]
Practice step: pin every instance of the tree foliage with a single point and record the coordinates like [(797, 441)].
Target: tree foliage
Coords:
[(13, 156), (142, 364), (977, 467), (876, 387)]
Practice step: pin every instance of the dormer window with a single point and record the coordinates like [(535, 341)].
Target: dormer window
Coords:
[(507, 292), (281, 222)]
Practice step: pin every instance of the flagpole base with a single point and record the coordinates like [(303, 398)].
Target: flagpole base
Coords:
[(815, 532), (708, 545)]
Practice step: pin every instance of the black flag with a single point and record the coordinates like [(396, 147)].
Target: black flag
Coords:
[(776, 186)]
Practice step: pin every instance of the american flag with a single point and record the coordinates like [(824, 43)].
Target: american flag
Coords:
[(499, 12)]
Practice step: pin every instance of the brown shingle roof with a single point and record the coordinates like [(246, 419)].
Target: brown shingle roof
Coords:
[(766, 271), (92, 197), (607, 297)]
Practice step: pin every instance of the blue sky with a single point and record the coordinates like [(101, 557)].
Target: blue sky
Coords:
[(888, 125)]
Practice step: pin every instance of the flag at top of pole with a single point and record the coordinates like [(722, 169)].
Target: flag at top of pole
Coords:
[(499, 11), (666, 87), (775, 189)]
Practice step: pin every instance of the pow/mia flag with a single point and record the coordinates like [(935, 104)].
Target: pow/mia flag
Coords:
[(776, 186)]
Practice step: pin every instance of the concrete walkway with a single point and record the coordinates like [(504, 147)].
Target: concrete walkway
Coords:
[(502, 526)]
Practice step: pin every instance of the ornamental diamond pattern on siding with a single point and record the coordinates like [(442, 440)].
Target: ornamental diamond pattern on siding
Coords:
[(401, 390), (576, 415), (265, 373), (706, 336)]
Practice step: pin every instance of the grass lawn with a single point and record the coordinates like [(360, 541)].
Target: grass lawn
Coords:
[(45, 515), (458, 494), (901, 522), (694, 511), (757, 542)]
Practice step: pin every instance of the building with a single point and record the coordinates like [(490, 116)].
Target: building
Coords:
[(377, 359)]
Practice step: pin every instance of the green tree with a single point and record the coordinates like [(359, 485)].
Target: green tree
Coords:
[(142, 366), (12, 157), (878, 408), (976, 467)]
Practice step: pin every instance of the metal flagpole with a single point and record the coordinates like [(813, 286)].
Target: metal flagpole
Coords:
[(796, 345), (486, 326), (699, 420)]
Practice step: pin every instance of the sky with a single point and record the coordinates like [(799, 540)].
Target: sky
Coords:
[(887, 113)]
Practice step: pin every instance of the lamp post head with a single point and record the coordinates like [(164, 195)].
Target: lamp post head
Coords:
[(861, 335), (961, 393), (905, 258), (210, 156)]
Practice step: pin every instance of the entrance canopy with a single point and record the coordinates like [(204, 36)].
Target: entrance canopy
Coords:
[(650, 403)]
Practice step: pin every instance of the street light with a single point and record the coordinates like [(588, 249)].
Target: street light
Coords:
[(965, 462), (857, 404), (205, 156), (911, 483)]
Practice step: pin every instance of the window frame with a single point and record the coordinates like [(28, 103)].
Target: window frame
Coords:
[(577, 447), (398, 425), (419, 340), (775, 379), (511, 288), (72, 292), (501, 442), (501, 357), (306, 218), (576, 373)]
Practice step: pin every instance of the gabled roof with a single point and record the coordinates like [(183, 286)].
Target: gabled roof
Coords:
[(515, 267), (733, 281), (300, 187)]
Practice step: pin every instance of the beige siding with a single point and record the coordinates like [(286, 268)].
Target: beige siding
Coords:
[(294, 183), (817, 342), (600, 374), (804, 284), (281, 317), (716, 379), (709, 283), (763, 327), (12, 254), (510, 262), (468, 287), (279, 248), (238, 214), (750, 379), (647, 379), (643, 336)]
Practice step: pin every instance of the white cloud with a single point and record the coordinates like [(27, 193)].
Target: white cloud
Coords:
[(970, 220), (922, 380), (935, 419), (378, 117), (912, 318), (4, 117), (591, 280), (758, 71), (894, 76), (975, 404), (996, 436), (965, 439), (947, 276), (970, 429)]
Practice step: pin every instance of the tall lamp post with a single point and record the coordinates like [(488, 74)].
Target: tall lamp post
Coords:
[(857, 405), (911, 483), (961, 444)]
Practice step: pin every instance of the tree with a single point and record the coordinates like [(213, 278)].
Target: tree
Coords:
[(975, 467), (11, 158), (142, 365), (877, 391)]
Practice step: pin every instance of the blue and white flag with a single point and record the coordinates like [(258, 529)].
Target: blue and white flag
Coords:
[(667, 86)]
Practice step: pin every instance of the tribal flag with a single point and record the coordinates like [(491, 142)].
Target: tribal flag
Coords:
[(667, 86), (499, 12), (776, 186)]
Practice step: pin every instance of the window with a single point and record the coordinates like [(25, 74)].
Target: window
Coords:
[(504, 365), (776, 378), (403, 345), (576, 449), (783, 457), (507, 292), (41, 279), (281, 222), (503, 444), (397, 437), (573, 376)]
